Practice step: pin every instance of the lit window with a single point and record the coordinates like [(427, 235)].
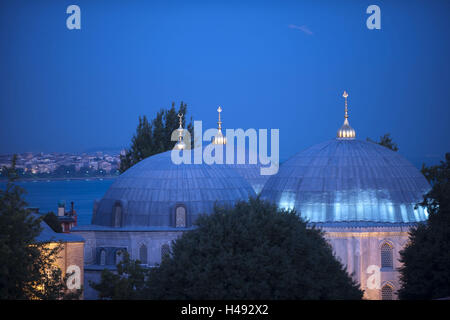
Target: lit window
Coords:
[(165, 251), (386, 256), (143, 254), (180, 217), (387, 292)]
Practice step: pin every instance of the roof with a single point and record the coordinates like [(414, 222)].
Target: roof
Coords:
[(149, 191), (349, 181), (48, 235), (93, 227), (247, 164)]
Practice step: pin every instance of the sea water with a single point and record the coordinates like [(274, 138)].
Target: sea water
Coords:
[(45, 195)]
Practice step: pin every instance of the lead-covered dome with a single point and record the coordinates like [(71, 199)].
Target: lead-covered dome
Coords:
[(349, 181), (159, 193), (247, 163)]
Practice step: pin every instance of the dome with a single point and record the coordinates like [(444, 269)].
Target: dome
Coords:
[(251, 173), (347, 180), (248, 168), (150, 193)]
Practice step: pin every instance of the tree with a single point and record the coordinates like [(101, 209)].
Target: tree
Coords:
[(250, 251), (53, 222), (155, 136), (386, 141), (425, 273), (27, 267), (128, 283)]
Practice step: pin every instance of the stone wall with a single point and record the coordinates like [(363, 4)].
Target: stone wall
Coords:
[(70, 258), (360, 251)]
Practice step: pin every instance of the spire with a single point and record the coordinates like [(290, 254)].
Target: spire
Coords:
[(219, 123), (180, 144), (346, 132), (219, 138), (345, 95)]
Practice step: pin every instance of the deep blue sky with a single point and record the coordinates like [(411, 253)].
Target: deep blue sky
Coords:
[(73, 90)]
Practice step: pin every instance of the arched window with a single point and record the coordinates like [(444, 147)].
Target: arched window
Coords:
[(387, 260), (180, 217), (117, 215), (102, 257), (387, 292), (143, 254), (165, 251)]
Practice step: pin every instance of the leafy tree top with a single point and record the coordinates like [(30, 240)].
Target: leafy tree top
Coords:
[(250, 251), (53, 222), (153, 137), (425, 273), (27, 267), (386, 141)]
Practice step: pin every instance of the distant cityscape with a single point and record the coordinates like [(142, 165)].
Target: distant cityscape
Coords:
[(63, 165)]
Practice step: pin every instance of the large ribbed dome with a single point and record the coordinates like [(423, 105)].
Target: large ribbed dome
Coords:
[(149, 193), (347, 181)]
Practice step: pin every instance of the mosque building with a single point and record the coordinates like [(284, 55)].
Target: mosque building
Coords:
[(151, 204), (361, 194)]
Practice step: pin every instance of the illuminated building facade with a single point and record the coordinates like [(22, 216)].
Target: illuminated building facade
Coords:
[(70, 259), (362, 195)]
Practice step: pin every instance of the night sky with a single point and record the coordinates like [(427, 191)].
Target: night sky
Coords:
[(269, 65)]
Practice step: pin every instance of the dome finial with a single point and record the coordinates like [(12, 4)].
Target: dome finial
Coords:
[(180, 144), (345, 95), (180, 115), (219, 123), (219, 138), (346, 132)]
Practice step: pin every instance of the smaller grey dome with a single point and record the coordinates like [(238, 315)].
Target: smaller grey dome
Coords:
[(149, 193)]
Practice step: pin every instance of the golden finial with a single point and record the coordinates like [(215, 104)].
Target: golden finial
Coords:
[(345, 95), (180, 115), (180, 144), (346, 132), (219, 138), (219, 110)]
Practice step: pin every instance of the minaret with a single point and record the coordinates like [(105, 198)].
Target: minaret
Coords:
[(180, 144), (346, 132), (219, 138)]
